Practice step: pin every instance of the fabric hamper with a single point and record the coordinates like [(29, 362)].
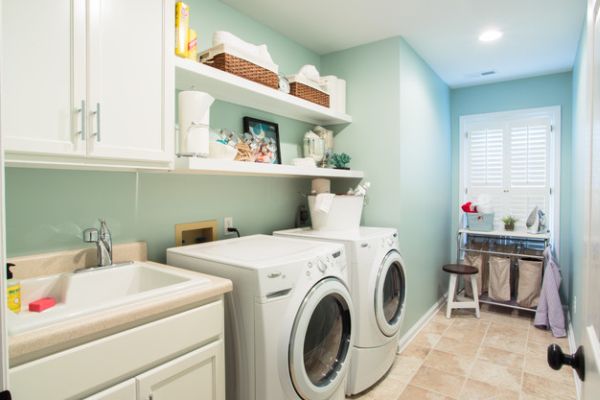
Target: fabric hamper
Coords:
[(530, 282), (499, 279), (477, 261)]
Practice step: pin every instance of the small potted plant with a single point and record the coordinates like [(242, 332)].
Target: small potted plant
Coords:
[(339, 161), (509, 223)]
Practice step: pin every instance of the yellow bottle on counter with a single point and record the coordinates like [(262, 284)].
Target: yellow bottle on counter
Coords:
[(192, 48), (182, 25), (13, 289)]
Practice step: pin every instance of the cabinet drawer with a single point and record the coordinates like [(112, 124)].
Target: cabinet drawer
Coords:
[(91, 367)]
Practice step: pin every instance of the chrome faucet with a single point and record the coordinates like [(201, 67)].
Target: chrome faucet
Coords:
[(103, 241)]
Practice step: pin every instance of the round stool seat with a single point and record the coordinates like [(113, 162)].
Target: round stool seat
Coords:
[(460, 269)]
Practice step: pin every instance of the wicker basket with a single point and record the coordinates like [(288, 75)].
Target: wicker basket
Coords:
[(309, 93), (245, 69)]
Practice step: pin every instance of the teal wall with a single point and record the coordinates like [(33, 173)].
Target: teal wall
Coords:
[(47, 209), (581, 144), (542, 91), (400, 136)]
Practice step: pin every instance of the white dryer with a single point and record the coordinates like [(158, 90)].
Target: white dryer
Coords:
[(289, 320), (378, 290)]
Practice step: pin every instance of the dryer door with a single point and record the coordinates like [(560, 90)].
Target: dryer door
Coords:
[(390, 293), (321, 340)]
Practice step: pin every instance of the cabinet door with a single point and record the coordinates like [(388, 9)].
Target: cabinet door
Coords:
[(199, 375), (122, 391), (127, 64), (43, 82)]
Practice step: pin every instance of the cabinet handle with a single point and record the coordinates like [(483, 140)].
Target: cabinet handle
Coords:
[(83, 114), (97, 115)]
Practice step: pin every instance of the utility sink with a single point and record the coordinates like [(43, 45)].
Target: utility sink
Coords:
[(81, 293)]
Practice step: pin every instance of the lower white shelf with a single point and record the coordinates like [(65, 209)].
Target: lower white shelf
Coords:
[(209, 166)]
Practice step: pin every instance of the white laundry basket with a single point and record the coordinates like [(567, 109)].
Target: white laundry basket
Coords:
[(344, 214)]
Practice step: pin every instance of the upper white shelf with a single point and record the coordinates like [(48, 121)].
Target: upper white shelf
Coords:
[(209, 166), (233, 89)]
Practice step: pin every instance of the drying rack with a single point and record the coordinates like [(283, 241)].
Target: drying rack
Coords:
[(527, 245)]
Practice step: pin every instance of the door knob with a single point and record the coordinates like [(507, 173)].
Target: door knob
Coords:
[(556, 359)]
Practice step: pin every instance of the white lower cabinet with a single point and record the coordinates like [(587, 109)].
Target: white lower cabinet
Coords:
[(180, 357), (199, 375)]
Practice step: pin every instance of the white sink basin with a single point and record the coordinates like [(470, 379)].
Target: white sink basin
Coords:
[(78, 294)]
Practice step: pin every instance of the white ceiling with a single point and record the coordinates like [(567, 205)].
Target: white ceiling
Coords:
[(540, 36)]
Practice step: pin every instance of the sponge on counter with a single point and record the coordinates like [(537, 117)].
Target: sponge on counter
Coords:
[(42, 304)]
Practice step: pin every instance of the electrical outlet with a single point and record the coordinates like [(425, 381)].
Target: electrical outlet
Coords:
[(228, 223), (574, 304)]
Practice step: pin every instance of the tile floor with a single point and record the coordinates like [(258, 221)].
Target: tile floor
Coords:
[(501, 356)]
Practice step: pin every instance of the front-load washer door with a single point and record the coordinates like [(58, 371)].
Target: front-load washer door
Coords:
[(390, 293), (321, 340)]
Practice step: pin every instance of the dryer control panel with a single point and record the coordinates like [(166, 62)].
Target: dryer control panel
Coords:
[(277, 282)]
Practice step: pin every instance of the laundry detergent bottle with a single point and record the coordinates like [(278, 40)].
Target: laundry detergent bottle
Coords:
[(13, 290)]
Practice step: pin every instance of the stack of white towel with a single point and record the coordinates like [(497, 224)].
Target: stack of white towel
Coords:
[(227, 42)]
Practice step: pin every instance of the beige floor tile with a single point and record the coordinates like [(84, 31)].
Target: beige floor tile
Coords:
[(437, 381), (440, 318), (471, 332), (388, 388), (475, 390), (450, 363), (416, 393), (497, 375), (538, 349), (458, 347), (413, 350), (426, 339), (506, 337), (435, 327), (546, 388), (545, 337), (405, 367), (501, 357), (539, 366)]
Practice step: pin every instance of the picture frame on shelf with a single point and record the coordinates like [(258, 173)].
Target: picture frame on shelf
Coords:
[(267, 134)]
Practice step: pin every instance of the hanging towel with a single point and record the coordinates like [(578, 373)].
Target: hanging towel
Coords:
[(550, 314)]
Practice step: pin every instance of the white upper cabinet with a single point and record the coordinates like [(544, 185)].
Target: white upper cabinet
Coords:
[(85, 82), (43, 76), (127, 80)]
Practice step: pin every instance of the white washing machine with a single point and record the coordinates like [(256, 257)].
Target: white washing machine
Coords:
[(289, 321), (378, 290)]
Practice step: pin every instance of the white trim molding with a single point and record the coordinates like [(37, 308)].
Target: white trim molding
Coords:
[(572, 350)]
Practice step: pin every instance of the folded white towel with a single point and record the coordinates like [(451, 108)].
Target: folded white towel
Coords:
[(324, 201), (311, 73), (258, 52)]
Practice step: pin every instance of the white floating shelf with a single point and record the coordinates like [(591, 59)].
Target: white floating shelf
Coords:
[(209, 166), (233, 89)]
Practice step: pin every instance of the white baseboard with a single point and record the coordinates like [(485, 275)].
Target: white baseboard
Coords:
[(420, 324), (572, 350)]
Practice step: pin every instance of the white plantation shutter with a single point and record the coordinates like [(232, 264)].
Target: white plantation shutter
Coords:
[(509, 159)]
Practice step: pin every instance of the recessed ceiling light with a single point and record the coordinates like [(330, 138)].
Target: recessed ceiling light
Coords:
[(490, 35)]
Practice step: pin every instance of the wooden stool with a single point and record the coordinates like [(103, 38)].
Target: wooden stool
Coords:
[(455, 270)]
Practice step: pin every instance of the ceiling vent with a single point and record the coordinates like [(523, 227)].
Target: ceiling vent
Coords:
[(488, 73)]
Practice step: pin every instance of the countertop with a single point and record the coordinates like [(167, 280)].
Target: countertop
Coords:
[(66, 334)]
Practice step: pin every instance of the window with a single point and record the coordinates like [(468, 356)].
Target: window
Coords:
[(513, 158)]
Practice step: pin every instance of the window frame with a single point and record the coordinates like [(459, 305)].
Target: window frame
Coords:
[(552, 112)]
